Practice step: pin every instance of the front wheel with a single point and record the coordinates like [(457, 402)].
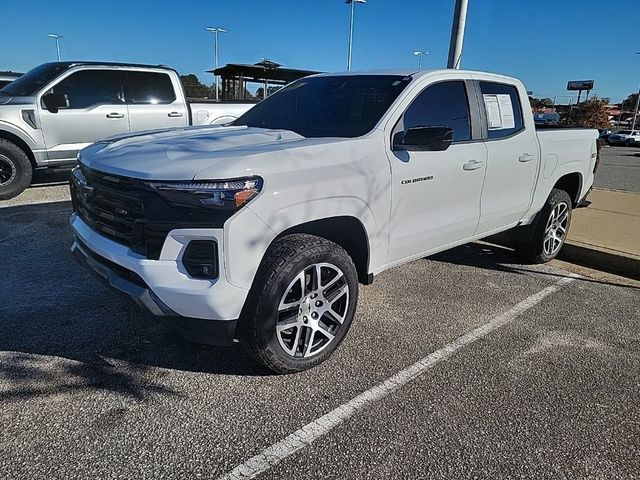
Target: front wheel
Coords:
[(302, 304), (15, 170), (548, 234)]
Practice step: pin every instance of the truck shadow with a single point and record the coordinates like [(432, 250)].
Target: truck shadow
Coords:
[(45, 178), (495, 253), (62, 330)]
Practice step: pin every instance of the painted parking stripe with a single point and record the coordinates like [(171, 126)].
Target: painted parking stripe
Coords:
[(319, 427)]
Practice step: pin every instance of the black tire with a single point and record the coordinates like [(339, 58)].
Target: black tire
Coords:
[(284, 261), (530, 241), (15, 170)]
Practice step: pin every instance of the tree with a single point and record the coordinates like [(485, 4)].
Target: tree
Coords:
[(589, 114), (630, 103), (540, 103), (194, 88)]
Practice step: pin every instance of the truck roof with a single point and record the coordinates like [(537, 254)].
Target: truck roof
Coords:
[(418, 73), (77, 63)]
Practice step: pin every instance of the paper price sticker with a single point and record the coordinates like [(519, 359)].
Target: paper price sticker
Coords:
[(499, 109)]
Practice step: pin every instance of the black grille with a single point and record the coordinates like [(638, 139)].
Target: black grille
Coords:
[(133, 214), (110, 208)]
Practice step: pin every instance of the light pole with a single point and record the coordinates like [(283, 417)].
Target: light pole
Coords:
[(635, 111), (457, 34), (353, 4), (56, 37), (420, 54), (215, 31)]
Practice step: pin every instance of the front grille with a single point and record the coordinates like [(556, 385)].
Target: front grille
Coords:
[(128, 212), (108, 208)]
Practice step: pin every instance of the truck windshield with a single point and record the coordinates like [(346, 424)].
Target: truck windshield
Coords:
[(32, 81), (338, 106)]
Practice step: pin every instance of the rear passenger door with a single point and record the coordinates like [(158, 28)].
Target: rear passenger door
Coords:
[(152, 101), (513, 156)]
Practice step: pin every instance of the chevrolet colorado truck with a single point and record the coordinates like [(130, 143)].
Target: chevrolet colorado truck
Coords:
[(56, 109), (261, 231)]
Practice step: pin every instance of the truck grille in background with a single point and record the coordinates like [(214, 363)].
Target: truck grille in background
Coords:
[(109, 207)]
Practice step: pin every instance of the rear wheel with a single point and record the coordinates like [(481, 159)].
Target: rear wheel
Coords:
[(302, 304), (15, 170), (546, 237)]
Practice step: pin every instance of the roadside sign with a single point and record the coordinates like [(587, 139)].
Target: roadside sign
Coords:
[(580, 85)]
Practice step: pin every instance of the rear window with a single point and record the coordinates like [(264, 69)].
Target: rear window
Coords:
[(150, 88), (503, 109)]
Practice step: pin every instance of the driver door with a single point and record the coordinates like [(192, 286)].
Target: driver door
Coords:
[(436, 194), (96, 109)]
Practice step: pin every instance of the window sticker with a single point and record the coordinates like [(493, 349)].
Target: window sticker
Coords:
[(499, 111)]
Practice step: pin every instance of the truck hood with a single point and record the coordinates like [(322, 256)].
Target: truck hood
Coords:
[(179, 154), (9, 100)]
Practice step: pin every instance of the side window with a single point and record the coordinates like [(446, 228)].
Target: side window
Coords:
[(91, 87), (150, 88), (443, 104), (503, 109)]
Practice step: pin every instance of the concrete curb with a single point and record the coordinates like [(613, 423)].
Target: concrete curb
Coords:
[(603, 259)]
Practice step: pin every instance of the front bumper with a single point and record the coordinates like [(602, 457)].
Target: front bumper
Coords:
[(201, 310)]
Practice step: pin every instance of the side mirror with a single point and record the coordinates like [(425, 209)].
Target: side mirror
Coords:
[(431, 139), (55, 101)]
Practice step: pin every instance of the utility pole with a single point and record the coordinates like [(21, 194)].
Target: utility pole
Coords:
[(457, 34), (353, 5), (56, 37), (215, 31)]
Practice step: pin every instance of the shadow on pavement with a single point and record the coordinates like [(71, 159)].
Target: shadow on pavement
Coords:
[(499, 257), (62, 330), (50, 178)]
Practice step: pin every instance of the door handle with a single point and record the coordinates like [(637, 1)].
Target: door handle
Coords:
[(115, 115), (174, 114), (472, 165), (525, 157)]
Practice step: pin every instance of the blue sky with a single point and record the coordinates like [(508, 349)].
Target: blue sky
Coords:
[(543, 42)]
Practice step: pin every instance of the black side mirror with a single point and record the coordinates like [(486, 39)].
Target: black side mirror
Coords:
[(55, 101), (432, 139)]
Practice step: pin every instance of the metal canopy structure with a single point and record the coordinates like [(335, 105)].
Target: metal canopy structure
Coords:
[(270, 75)]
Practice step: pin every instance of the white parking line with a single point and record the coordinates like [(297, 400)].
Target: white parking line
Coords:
[(319, 427)]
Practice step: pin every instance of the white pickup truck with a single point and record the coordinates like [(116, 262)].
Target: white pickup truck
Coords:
[(261, 231), (56, 109)]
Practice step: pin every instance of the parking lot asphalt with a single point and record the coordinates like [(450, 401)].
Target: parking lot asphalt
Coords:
[(91, 387), (619, 169)]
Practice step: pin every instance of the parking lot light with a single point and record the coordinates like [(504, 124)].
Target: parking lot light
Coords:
[(420, 54), (56, 37), (352, 2), (215, 31), (635, 111)]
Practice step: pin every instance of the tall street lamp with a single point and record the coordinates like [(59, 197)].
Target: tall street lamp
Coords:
[(635, 111), (215, 31), (56, 37), (353, 4), (420, 54)]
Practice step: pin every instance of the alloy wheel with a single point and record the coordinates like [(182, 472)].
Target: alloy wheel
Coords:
[(556, 229), (312, 310)]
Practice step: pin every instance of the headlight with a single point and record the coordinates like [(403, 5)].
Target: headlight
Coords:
[(222, 194)]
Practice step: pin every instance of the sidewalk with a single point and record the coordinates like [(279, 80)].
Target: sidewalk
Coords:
[(606, 235)]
